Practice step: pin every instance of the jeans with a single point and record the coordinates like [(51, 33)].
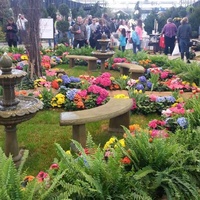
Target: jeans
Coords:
[(135, 47), (184, 47), (169, 45)]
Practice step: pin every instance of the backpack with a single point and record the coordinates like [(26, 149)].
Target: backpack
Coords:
[(135, 38)]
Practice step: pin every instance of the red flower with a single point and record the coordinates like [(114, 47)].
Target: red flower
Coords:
[(126, 160), (55, 85)]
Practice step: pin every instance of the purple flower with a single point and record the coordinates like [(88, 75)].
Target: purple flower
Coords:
[(74, 79), (142, 79), (139, 86), (182, 122), (65, 79), (149, 84)]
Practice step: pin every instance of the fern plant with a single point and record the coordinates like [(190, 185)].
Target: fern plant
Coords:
[(11, 179), (161, 167)]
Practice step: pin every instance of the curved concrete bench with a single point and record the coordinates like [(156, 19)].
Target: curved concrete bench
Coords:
[(134, 70), (117, 110), (92, 61)]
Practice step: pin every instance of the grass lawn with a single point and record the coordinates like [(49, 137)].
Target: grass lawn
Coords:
[(39, 134)]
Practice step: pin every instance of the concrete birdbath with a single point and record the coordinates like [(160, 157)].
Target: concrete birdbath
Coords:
[(103, 54), (14, 110)]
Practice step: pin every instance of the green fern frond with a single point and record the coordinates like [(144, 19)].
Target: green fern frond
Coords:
[(143, 172)]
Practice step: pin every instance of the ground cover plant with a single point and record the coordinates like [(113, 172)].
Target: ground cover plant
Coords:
[(152, 159)]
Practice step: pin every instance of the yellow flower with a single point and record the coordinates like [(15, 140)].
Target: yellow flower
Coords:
[(24, 57), (124, 77), (112, 78), (140, 91), (120, 96), (68, 152), (180, 100), (122, 142), (194, 85)]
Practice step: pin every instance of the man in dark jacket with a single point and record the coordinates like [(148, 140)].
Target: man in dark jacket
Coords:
[(79, 31), (184, 34)]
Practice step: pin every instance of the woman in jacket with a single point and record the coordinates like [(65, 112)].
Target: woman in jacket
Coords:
[(184, 34), (11, 32)]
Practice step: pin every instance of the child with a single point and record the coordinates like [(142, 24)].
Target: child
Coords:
[(136, 41), (122, 40)]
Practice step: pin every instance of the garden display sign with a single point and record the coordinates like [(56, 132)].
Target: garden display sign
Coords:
[(46, 28)]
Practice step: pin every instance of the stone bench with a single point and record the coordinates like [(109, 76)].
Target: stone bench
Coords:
[(92, 61), (117, 110), (134, 70)]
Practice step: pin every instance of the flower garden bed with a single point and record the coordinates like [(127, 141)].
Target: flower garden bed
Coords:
[(159, 160)]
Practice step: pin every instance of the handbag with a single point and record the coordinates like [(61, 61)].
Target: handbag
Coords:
[(176, 50), (162, 42)]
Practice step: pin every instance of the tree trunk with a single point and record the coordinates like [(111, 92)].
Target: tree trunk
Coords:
[(32, 43)]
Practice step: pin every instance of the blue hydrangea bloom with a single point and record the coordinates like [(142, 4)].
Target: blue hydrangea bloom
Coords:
[(71, 93), (170, 99), (142, 79), (182, 122), (160, 99), (139, 86)]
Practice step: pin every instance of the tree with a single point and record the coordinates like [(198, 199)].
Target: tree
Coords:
[(51, 10), (81, 12), (32, 43), (5, 11), (64, 10), (96, 10)]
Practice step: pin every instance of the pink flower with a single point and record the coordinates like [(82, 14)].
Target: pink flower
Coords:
[(41, 176), (153, 124), (159, 134), (131, 82), (54, 166), (167, 113), (152, 97), (50, 72), (164, 74), (82, 93)]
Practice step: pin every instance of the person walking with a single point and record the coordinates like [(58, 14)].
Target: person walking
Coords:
[(135, 40), (70, 35), (80, 34), (169, 30), (139, 31), (21, 25), (11, 32), (93, 28), (122, 40), (184, 34)]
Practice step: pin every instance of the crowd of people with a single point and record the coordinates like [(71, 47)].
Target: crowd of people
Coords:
[(87, 31)]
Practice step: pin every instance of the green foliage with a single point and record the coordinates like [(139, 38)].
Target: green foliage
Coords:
[(189, 73), (162, 166), (64, 10), (10, 179), (51, 10), (96, 10), (194, 105), (46, 97)]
